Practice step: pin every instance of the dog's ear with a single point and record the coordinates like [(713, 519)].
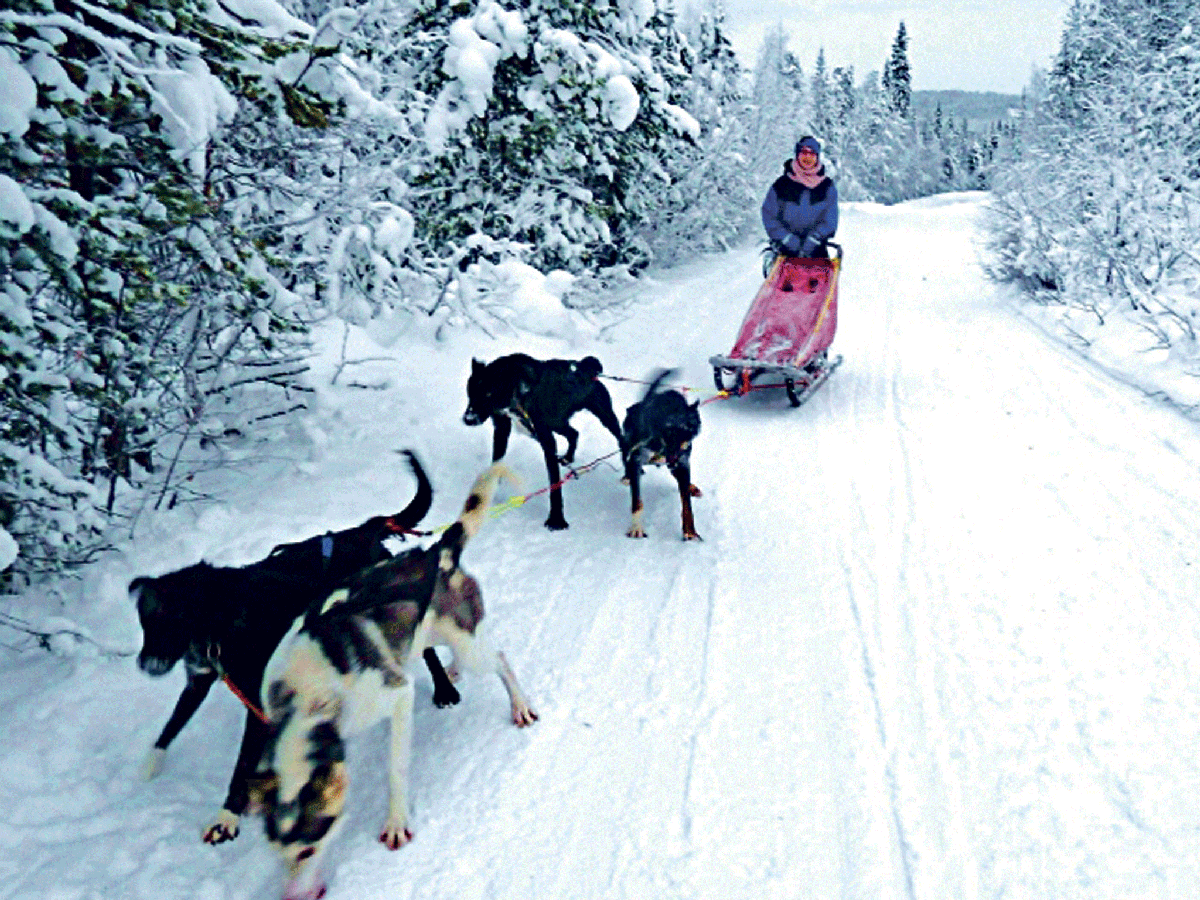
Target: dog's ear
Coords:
[(144, 595), (590, 367), (477, 366)]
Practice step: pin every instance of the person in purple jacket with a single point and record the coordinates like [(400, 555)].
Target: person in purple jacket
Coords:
[(800, 211)]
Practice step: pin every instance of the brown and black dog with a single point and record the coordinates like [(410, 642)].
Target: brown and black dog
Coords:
[(660, 429), (343, 666), (224, 622)]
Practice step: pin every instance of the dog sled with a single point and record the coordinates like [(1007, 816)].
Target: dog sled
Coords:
[(788, 329)]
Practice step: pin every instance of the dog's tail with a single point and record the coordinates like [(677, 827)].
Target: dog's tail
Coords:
[(409, 517), (451, 545), (660, 376)]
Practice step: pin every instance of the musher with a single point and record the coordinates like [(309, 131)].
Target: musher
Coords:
[(800, 211)]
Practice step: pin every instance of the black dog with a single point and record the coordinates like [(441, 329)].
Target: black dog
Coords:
[(541, 396), (225, 623), (660, 428)]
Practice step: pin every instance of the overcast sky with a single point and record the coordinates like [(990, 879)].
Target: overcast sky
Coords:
[(952, 44)]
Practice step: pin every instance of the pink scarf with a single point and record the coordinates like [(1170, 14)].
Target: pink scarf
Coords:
[(810, 177)]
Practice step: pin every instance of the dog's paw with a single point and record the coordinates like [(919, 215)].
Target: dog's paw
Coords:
[(695, 491), (446, 695), (691, 536), (522, 715), (316, 892), (153, 763), (395, 834), (222, 830), (557, 523), (636, 532)]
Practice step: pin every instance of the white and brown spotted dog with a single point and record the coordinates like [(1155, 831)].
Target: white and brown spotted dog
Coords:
[(343, 666)]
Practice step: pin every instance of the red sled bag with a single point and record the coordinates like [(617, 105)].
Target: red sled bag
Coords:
[(788, 328), (794, 315)]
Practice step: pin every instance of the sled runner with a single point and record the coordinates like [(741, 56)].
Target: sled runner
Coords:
[(788, 329)]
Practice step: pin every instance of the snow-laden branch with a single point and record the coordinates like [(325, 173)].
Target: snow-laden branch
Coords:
[(154, 37), (117, 47)]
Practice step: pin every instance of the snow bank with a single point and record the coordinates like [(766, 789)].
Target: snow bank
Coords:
[(535, 299)]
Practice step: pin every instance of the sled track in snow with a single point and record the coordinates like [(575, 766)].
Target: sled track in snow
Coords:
[(868, 667)]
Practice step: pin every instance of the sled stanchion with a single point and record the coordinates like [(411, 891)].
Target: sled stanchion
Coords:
[(789, 385)]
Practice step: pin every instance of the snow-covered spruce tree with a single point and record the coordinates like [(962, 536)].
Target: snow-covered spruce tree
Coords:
[(1102, 208), (778, 108), (820, 101), (131, 305), (897, 75), (550, 129), (871, 162), (332, 191), (712, 196)]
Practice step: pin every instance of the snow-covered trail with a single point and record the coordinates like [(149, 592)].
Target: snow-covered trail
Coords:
[(1017, 533), (941, 638)]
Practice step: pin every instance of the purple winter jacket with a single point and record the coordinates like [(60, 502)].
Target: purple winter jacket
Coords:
[(800, 219)]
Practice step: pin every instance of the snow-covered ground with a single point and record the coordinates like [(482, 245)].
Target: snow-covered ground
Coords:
[(941, 639)]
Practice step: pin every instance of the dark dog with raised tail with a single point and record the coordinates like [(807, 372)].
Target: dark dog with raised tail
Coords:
[(540, 396), (660, 429), (225, 622)]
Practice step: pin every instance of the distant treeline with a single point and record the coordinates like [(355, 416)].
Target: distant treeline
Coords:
[(979, 108)]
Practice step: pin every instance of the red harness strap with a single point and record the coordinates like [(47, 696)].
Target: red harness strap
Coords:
[(258, 713), (395, 528)]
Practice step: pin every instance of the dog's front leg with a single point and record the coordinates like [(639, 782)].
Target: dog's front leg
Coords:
[(254, 738), (687, 490), (396, 832), (556, 521), (501, 429), (477, 654), (197, 688), (633, 474), (444, 692), (522, 712)]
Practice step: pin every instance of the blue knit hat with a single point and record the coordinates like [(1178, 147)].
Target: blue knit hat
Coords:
[(808, 141)]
